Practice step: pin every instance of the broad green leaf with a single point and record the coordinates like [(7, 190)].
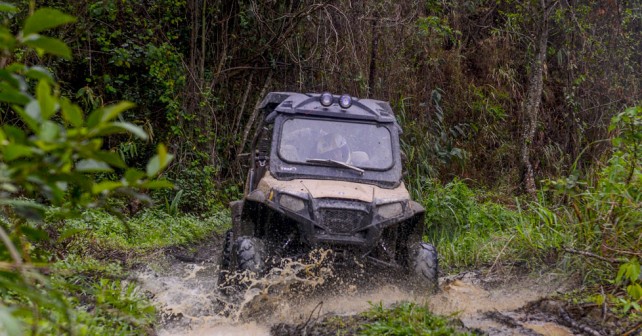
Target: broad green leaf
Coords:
[(14, 133), (48, 131), (131, 128), (14, 151), (110, 158), (40, 73), (78, 179), (95, 118), (49, 45), (34, 234), (46, 100), (106, 185), (14, 97), (153, 166), (90, 165), (8, 8), (132, 175), (71, 113), (33, 110), (120, 127), (28, 119), (8, 187), (7, 40), (162, 153), (113, 111), (629, 270), (9, 94), (635, 270), (10, 324), (10, 78), (635, 291), (107, 113), (45, 18), (159, 161), (23, 204)]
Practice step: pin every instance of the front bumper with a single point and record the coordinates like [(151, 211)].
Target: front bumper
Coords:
[(341, 222)]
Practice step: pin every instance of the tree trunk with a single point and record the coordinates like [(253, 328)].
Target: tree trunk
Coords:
[(373, 57), (255, 112), (533, 102)]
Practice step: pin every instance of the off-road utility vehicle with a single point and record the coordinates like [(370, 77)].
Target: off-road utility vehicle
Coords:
[(325, 171)]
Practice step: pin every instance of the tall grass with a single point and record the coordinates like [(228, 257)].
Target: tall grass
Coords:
[(470, 230), (591, 226), (149, 229)]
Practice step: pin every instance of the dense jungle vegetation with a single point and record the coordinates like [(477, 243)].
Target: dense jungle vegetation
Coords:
[(522, 132)]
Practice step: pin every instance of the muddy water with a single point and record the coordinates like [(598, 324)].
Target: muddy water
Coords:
[(190, 302)]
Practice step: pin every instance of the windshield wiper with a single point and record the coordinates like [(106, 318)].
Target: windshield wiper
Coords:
[(336, 164)]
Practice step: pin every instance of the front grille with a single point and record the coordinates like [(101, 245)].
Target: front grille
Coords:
[(342, 221)]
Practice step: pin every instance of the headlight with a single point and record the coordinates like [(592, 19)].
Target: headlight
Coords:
[(389, 210), (291, 203)]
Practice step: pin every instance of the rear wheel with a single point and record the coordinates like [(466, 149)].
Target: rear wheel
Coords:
[(226, 257), (424, 265)]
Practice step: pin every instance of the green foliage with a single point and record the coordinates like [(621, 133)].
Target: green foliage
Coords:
[(426, 147), (102, 305), (629, 276), (468, 232), (149, 229), (444, 139), (200, 193), (417, 150), (172, 209), (406, 319), (51, 154), (628, 280), (436, 25), (608, 208)]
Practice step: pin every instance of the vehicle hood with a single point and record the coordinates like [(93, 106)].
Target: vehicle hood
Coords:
[(334, 189), (338, 189)]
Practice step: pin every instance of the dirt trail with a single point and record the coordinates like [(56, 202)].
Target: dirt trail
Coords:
[(190, 302)]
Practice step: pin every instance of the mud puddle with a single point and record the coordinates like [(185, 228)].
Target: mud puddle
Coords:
[(299, 293)]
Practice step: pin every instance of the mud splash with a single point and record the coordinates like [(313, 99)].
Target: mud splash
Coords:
[(499, 308), (191, 303)]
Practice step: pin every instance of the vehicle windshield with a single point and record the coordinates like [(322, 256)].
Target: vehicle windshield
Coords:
[(358, 144)]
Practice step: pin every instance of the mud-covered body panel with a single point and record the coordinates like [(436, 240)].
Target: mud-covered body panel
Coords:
[(337, 212), (334, 189)]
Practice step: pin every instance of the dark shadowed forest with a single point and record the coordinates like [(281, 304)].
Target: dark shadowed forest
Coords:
[(522, 136)]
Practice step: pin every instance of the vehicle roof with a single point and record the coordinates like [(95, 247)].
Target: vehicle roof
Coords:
[(309, 104)]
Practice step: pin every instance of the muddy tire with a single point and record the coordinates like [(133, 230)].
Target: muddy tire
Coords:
[(226, 257), (249, 253), (424, 266)]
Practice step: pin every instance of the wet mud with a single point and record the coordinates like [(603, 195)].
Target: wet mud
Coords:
[(316, 296)]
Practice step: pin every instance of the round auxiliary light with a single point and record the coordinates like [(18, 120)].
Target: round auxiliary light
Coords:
[(326, 99), (345, 101)]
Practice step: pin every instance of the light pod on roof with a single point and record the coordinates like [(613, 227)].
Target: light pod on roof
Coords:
[(345, 101), (326, 99)]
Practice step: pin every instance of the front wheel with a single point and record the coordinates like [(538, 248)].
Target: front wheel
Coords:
[(424, 265), (250, 254)]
